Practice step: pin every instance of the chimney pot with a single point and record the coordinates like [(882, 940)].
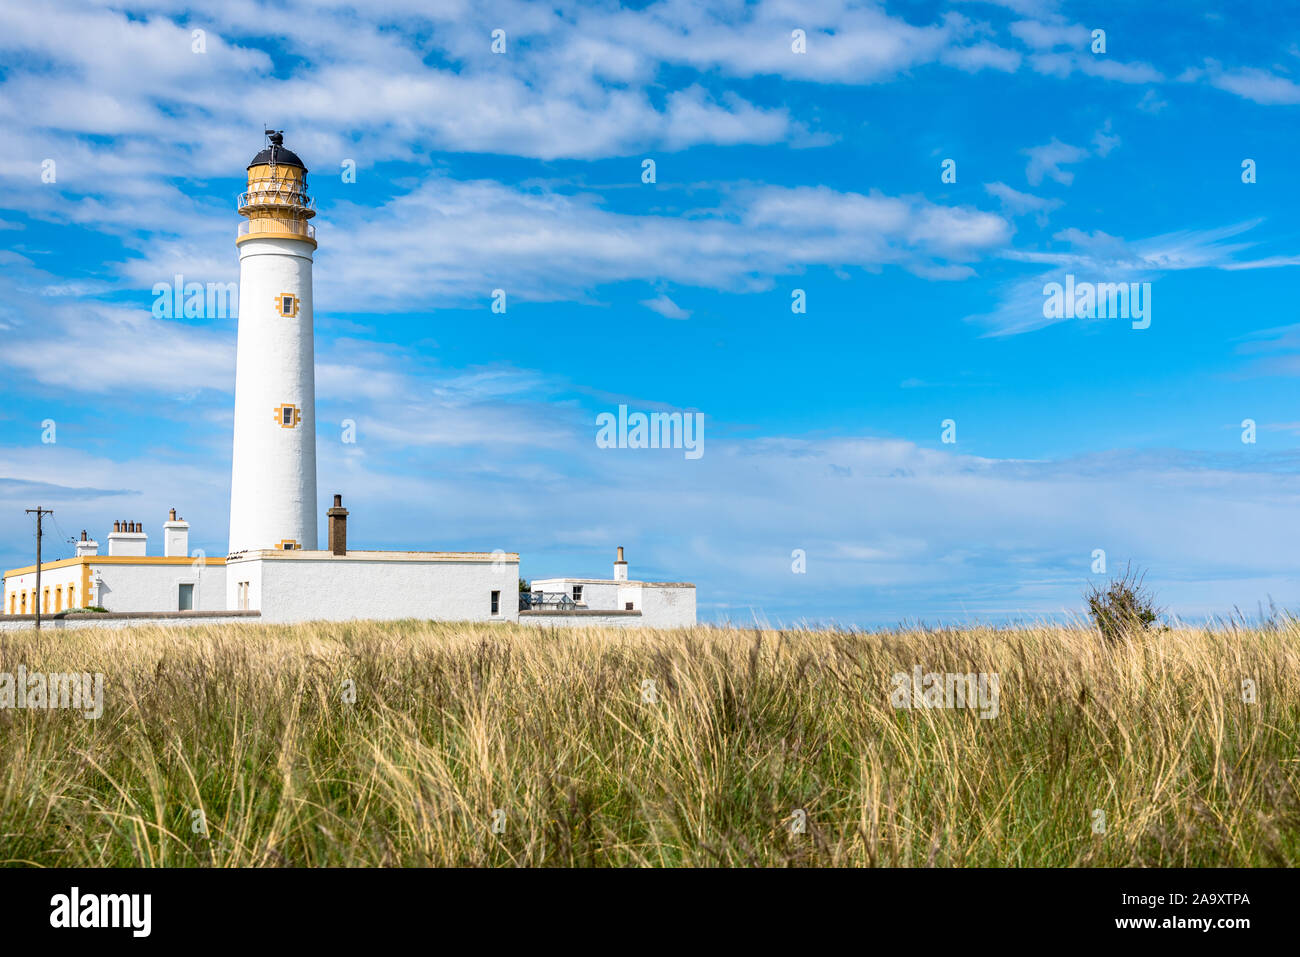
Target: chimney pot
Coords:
[(171, 515), (83, 534)]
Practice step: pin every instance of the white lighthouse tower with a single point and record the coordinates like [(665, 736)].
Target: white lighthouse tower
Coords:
[(273, 477)]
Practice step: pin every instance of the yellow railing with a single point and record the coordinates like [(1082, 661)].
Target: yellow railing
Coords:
[(276, 227)]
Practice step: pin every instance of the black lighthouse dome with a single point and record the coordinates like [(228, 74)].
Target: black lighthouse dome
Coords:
[(276, 154)]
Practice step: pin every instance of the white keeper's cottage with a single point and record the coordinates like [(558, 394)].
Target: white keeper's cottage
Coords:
[(275, 570)]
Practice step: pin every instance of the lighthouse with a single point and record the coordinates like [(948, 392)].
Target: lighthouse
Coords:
[(273, 474), (274, 570)]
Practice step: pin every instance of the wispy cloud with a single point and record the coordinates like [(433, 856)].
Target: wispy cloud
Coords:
[(666, 307)]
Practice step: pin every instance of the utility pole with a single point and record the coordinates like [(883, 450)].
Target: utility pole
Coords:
[(39, 513)]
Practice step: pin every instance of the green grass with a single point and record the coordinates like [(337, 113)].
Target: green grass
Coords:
[(248, 724)]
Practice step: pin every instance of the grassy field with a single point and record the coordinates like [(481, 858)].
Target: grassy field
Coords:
[(551, 736)]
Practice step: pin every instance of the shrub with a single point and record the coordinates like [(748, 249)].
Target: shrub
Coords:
[(1125, 605)]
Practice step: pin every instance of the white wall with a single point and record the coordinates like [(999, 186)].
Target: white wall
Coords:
[(128, 620), (562, 620), (51, 578), (95, 620), (157, 587), (243, 571), (668, 606), (128, 543), (292, 587), (176, 539), (126, 587), (273, 473), (661, 606), (595, 594)]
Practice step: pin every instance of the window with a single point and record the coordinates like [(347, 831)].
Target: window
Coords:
[(627, 606), (496, 603), (288, 544), (186, 597), (241, 596), (288, 415), (286, 305), (577, 593)]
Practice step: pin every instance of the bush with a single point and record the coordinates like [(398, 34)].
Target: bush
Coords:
[(1125, 605)]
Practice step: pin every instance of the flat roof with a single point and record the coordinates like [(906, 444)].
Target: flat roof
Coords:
[(298, 554), (613, 581), (113, 560)]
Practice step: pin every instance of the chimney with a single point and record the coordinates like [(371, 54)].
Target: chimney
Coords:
[(338, 527), (620, 567), (87, 546), (127, 538), (176, 536)]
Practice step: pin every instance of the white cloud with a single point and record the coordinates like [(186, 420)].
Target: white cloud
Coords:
[(1102, 67), (1047, 160), (1016, 203), (1251, 83), (1047, 36), (666, 307), (1097, 256), (448, 240), (1151, 102)]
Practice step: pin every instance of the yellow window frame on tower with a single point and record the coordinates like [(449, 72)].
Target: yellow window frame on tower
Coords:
[(294, 304), (293, 421)]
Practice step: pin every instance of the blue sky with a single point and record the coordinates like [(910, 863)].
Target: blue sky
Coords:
[(775, 171)]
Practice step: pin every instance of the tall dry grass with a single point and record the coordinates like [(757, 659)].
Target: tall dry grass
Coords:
[(249, 725)]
